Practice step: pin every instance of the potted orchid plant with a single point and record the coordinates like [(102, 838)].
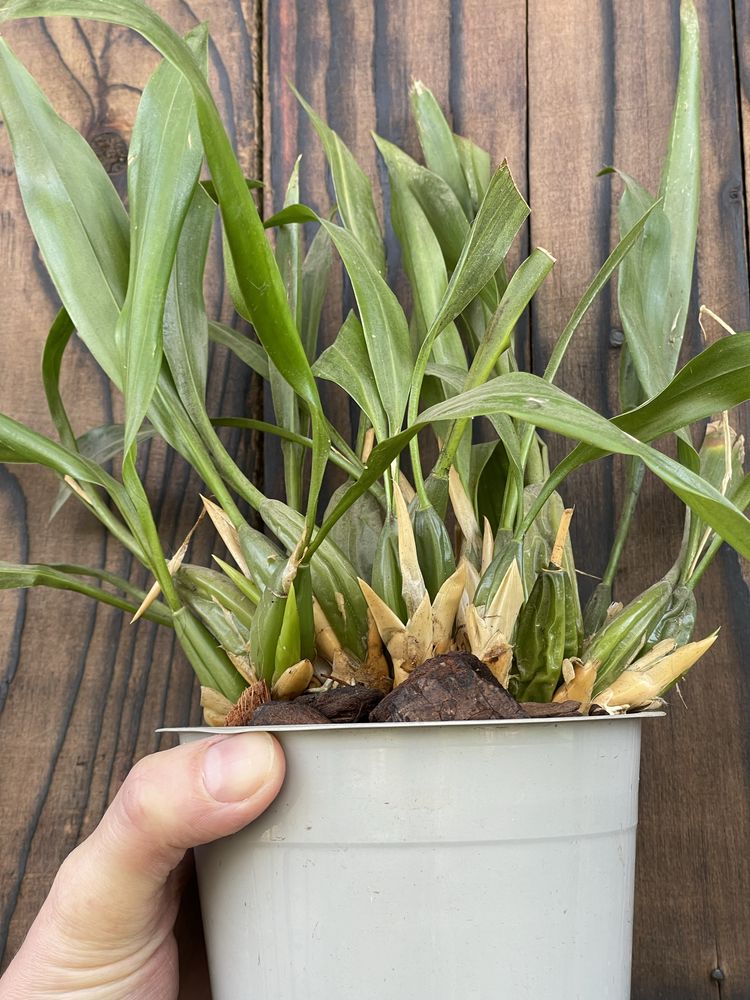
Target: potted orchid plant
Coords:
[(429, 610)]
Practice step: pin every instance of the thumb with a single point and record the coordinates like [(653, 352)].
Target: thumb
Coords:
[(114, 883)]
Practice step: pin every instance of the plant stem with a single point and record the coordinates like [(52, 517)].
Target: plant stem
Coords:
[(634, 481)]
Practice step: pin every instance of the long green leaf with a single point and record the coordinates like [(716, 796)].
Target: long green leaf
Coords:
[(100, 444), (497, 339), (315, 273), (384, 324), (15, 576), (21, 444), (477, 167), (257, 274), (84, 240), (164, 161), (656, 278), (57, 340), (527, 397), (347, 364), (381, 458), (185, 322), (500, 216), (436, 199), (252, 354), (82, 231), (436, 139), (680, 181), (422, 256), (716, 379), (352, 188)]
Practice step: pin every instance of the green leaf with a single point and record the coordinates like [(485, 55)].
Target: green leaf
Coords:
[(357, 531), (185, 323), (477, 167), (527, 397), (252, 354), (258, 278), (214, 586), (382, 456), (385, 329), (656, 278), (74, 211), (290, 214), (334, 578), (346, 363), (422, 256), (495, 342), (100, 444), (315, 273), (20, 444), (210, 663), (501, 215), (164, 161), (54, 348), (436, 139), (680, 181), (352, 188), (603, 275), (285, 404), (14, 576), (503, 425), (716, 379), (435, 197)]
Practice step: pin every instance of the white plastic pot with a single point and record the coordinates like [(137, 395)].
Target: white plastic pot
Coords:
[(433, 861)]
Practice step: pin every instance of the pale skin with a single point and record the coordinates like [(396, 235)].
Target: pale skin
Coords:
[(105, 932)]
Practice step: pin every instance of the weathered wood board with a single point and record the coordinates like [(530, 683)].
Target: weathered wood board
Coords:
[(560, 90)]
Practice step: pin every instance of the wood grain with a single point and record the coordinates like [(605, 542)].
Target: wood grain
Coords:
[(558, 90)]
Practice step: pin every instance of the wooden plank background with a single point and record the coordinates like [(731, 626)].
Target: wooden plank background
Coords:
[(559, 90)]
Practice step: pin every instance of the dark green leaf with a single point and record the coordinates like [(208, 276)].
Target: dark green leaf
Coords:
[(357, 531)]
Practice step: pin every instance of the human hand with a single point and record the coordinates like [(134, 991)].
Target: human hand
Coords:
[(105, 932)]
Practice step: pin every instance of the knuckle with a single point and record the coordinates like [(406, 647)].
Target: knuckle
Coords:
[(138, 798)]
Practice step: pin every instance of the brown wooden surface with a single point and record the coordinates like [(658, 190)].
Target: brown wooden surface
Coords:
[(558, 89)]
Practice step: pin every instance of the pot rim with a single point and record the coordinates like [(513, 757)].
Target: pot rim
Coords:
[(371, 726)]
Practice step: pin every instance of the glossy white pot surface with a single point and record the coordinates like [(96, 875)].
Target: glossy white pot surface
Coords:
[(433, 861)]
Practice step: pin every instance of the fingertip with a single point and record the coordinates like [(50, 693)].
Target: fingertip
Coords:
[(239, 766)]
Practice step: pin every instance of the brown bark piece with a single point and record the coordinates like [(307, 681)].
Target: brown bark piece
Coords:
[(551, 709), (287, 713), (449, 687), (597, 710), (351, 703)]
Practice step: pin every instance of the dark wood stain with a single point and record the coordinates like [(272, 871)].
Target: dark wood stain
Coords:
[(559, 91)]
